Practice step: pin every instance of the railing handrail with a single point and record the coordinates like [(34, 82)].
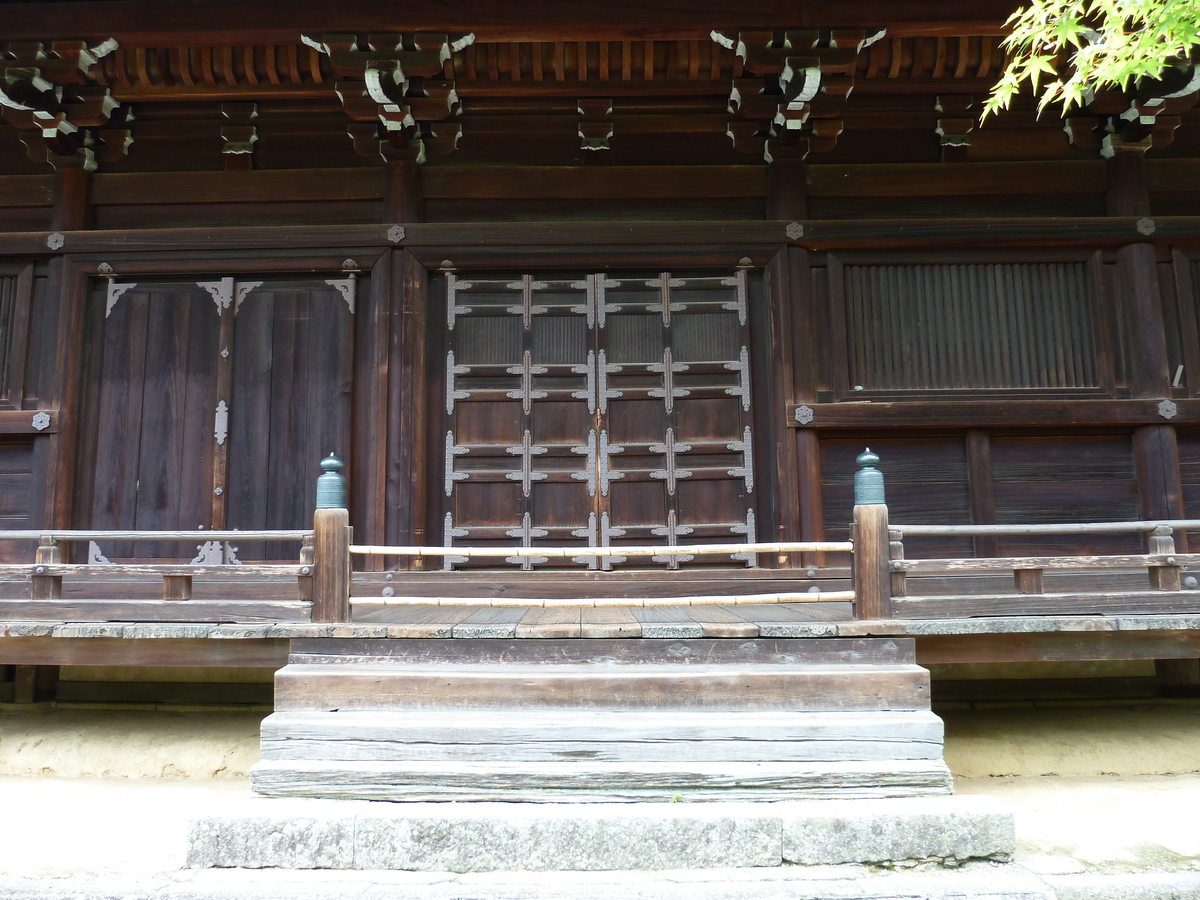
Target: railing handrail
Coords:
[(203, 536), (567, 552), (1047, 529)]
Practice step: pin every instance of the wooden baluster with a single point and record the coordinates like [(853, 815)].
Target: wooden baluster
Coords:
[(896, 555), (304, 580), (1166, 577), (177, 587), (872, 568), (1029, 581), (44, 586)]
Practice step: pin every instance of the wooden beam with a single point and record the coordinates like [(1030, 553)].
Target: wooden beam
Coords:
[(593, 182), (818, 234), (277, 186), (26, 191), (150, 23), (958, 179), (21, 421), (201, 652), (1064, 646), (952, 412)]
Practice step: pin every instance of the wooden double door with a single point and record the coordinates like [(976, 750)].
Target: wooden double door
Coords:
[(209, 404), (598, 410)]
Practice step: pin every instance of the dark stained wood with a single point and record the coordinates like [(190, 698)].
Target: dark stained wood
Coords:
[(280, 186), (592, 182), (409, 429), (331, 566), (1156, 459), (21, 191), (995, 413), (787, 296), (983, 500), (1066, 646), (956, 179), (1189, 321), (402, 192), (70, 199)]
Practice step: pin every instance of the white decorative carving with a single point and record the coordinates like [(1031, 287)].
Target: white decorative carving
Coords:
[(221, 292), (526, 533), (794, 231), (670, 471), (114, 294), (527, 450), (346, 287), (738, 282), (590, 535), (742, 367), (453, 450), (449, 533), (95, 557), (609, 531), (665, 306), (672, 532), (221, 423), (804, 414), (527, 310), (750, 530), (526, 394), (453, 310), (668, 392), (243, 290), (55, 240), (40, 421), (452, 370), (1167, 409), (746, 469), (395, 234)]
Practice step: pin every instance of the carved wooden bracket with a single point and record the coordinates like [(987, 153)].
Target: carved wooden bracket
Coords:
[(789, 100), (65, 118), (1135, 120), (398, 90)]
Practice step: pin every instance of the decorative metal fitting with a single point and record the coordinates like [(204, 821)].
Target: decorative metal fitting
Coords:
[(794, 231), (804, 414), (1168, 409), (331, 486), (1146, 225), (868, 481), (395, 234), (40, 421), (40, 570), (350, 265), (55, 240), (1170, 560), (306, 570), (105, 269)]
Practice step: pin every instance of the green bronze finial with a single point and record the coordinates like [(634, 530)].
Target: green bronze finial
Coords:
[(868, 480), (331, 486)]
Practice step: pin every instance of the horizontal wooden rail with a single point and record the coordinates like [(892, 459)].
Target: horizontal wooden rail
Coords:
[(1006, 564), (29, 535), (1062, 528), (135, 570), (567, 552), (626, 602)]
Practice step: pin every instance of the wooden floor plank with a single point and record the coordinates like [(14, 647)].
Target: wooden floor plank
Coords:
[(416, 621), (723, 622), (667, 622), (491, 622), (609, 622), (550, 623)]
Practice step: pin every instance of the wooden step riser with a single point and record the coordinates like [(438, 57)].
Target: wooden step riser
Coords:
[(599, 782), (767, 651), (362, 687)]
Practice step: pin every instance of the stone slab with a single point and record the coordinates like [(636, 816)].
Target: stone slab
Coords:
[(494, 837)]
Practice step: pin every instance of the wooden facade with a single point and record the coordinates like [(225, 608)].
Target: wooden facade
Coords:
[(579, 275)]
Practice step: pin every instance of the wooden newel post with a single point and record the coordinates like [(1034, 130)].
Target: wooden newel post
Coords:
[(872, 566), (331, 546)]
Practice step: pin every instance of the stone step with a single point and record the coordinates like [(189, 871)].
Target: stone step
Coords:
[(495, 837)]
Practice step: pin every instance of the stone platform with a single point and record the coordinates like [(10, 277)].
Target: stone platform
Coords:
[(497, 837)]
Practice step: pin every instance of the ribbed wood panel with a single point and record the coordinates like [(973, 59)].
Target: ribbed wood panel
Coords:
[(946, 327), (8, 296)]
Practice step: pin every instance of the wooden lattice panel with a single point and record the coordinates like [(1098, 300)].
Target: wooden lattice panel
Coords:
[(597, 410)]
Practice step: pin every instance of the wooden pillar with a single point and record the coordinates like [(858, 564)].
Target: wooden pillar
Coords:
[(331, 566), (402, 200), (1155, 449), (872, 563), (787, 189)]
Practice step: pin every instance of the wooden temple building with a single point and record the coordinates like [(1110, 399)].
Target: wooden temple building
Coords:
[(574, 275)]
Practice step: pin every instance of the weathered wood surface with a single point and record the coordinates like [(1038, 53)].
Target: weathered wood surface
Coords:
[(121, 571), (971, 412), (596, 782), (648, 686), (155, 610), (1064, 646), (766, 651), (116, 651), (949, 566), (331, 564), (1092, 603)]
